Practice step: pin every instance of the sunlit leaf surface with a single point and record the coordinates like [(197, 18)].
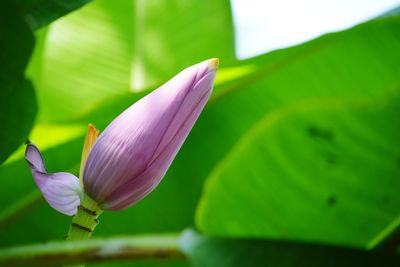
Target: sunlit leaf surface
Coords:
[(84, 57), (319, 157), (110, 48)]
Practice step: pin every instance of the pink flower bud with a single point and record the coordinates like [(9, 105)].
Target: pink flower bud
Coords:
[(132, 155)]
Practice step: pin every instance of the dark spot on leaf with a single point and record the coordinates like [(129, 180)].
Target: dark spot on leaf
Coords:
[(331, 159), (327, 135), (332, 200), (316, 132), (313, 131)]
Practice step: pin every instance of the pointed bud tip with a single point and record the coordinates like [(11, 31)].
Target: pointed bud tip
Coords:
[(213, 64), (93, 130)]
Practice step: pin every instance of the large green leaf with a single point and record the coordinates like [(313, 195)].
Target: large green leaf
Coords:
[(225, 252), (109, 48), (356, 64), (83, 58), (172, 35), (17, 99), (315, 171)]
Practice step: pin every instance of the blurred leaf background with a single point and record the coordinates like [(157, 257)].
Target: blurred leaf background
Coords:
[(298, 145)]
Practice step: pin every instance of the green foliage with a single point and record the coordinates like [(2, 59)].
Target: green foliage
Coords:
[(17, 98), (39, 13), (111, 48), (297, 144), (83, 58), (223, 252), (197, 29), (316, 157)]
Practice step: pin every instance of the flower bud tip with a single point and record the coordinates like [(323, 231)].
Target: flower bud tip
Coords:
[(213, 63)]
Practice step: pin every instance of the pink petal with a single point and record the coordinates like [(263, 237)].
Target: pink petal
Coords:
[(133, 153), (61, 190), (139, 187)]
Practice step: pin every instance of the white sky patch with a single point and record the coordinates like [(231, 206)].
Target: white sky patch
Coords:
[(265, 25)]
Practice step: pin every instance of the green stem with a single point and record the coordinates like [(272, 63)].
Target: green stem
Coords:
[(84, 221), (55, 253)]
